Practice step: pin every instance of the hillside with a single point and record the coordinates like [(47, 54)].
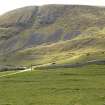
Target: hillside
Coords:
[(52, 33)]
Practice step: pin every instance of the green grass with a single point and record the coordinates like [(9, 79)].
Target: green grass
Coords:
[(70, 86)]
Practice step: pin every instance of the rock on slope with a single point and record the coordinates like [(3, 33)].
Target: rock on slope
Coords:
[(52, 32)]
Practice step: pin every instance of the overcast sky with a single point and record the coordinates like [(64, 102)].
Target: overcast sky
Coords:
[(7, 5)]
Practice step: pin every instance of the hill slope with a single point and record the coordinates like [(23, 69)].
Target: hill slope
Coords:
[(52, 33)]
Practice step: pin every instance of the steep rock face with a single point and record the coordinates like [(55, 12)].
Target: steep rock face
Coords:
[(35, 26)]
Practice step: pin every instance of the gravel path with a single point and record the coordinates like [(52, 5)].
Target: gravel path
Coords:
[(15, 73)]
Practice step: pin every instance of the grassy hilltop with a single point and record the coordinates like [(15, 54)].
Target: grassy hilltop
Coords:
[(52, 33)]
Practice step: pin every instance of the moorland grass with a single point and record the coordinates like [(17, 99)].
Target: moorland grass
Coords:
[(66, 86)]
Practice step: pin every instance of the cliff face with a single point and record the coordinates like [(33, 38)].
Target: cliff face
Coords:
[(53, 29)]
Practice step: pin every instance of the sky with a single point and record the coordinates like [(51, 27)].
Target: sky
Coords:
[(7, 5)]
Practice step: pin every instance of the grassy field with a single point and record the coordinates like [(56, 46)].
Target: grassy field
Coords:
[(70, 86)]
